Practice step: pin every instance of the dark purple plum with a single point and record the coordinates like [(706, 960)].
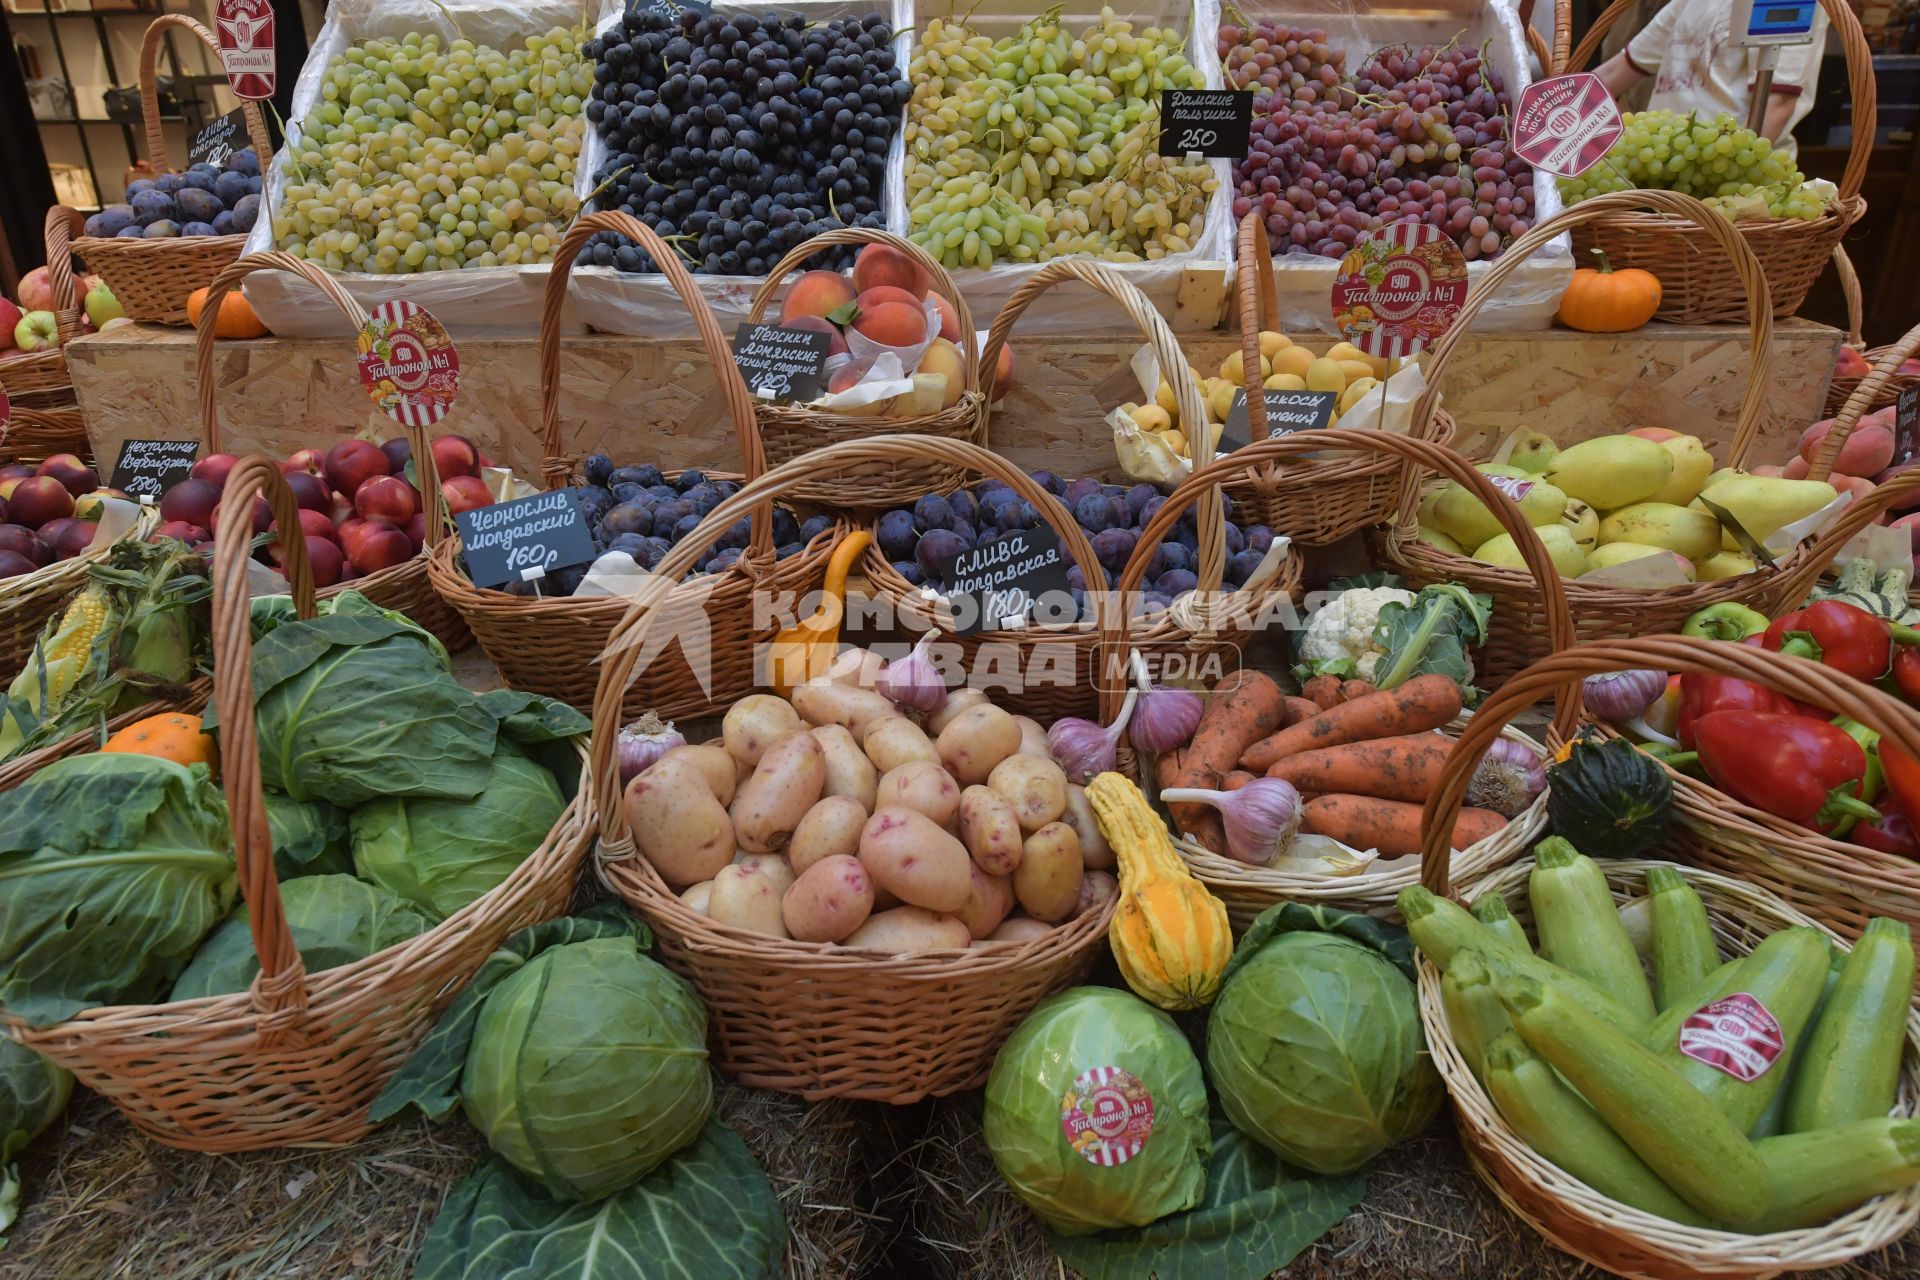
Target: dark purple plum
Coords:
[(1076, 578), (399, 453), (786, 527), (632, 493), (1236, 540), (727, 488), (1149, 509), (738, 534), (910, 571), (654, 492), (1175, 582), (937, 545), (813, 526), (650, 552), (896, 535), (784, 550), (1114, 547), (1137, 499), (598, 468), (628, 517), (668, 514), (1094, 512), (1242, 565), (1085, 486), (631, 543), (963, 504), (704, 498), (1050, 482), (567, 581), (1259, 538), (685, 525), (725, 558), (688, 479), (932, 512), (647, 474), (966, 531)]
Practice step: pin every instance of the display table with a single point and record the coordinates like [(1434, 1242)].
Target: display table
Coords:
[(653, 399)]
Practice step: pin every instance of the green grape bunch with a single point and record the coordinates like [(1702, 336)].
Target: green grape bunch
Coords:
[(1043, 143), (1714, 158), (424, 155)]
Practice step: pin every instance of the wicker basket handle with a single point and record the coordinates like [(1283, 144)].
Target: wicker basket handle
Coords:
[(726, 374), (1259, 299), (1798, 678), (279, 992), (626, 643), (206, 385), (63, 224), (1211, 515), (1871, 386), (1853, 42), (1746, 265), (1416, 453), (941, 278), (1850, 290), (150, 92)]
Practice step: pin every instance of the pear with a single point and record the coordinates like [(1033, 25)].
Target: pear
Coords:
[(1694, 534), (1692, 464), (1439, 541), (1763, 504), (1532, 452), (1611, 471), (1724, 564), (1465, 519), (1714, 478), (1583, 522), (1566, 555), (1609, 554)]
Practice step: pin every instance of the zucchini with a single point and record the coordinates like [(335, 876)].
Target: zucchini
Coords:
[(1684, 951), (1716, 984), (1668, 1123), (1491, 910), (1849, 1067), (1557, 1123), (1475, 1016), (1814, 1177), (1442, 929), (1580, 929), (1774, 1119), (1779, 983)]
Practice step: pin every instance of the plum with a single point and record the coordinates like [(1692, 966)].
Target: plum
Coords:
[(165, 229), (650, 552), (628, 517), (685, 525), (966, 531), (1155, 601), (964, 506), (688, 479), (244, 161), (154, 206), (656, 492), (1259, 538), (896, 535), (813, 526), (668, 514), (630, 543), (197, 205), (725, 558), (169, 183), (1094, 512), (704, 498), (1114, 547), (1149, 509), (567, 581), (134, 232), (598, 468), (910, 571), (633, 475), (138, 185), (1236, 540), (633, 493), (1050, 482), (1178, 556), (932, 512), (785, 527), (223, 224), (786, 549), (736, 535), (1137, 499), (198, 229), (1076, 578), (1242, 565), (936, 545), (1017, 515), (111, 221), (399, 453), (231, 188), (1175, 582), (246, 212), (1084, 487)]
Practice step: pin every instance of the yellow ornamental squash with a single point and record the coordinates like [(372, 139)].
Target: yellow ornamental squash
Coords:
[(1603, 300), (1170, 936), (807, 649)]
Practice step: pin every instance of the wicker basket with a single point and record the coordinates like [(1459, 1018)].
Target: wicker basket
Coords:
[(296, 1060), (1600, 610), (26, 602), (153, 278), (1248, 890), (34, 435), (1067, 650), (553, 646), (1319, 500), (789, 430), (39, 379), (404, 587), (1568, 1213), (816, 1019), (1694, 289)]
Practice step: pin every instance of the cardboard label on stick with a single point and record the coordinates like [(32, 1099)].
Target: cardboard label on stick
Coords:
[(219, 140), (1564, 125), (782, 364)]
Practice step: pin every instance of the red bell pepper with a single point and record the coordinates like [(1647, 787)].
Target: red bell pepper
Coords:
[(1906, 673), (1703, 695), (1903, 776), (1838, 635), (1891, 834), (1804, 770)]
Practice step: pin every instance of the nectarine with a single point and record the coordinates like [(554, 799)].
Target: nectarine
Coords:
[(836, 342), (949, 319)]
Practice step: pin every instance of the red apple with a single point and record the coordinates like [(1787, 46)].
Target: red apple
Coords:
[(10, 317), (382, 546), (193, 501), (68, 536), (310, 492), (215, 467), (352, 463), (67, 468), (417, 531), (36, 290), (21, 541), (314, 524), (455, 456), (305, 460), (192, 534), (38, 499), (12, 564), (464, 493), (262, 514), (343, 530), (386, 497), (399, 452)]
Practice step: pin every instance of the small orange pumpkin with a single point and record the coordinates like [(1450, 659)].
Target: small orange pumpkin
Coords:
[(170, 736), (236, 318), (1602, 300)]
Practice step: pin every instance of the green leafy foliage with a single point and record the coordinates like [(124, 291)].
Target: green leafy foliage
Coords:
[(309, 839), (707, 1212), (33, 1093), (335, 920), (112, 869), (1432, 635)]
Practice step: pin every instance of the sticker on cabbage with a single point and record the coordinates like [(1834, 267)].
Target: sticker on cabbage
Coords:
[(1735, 1034), (1107, 1115)]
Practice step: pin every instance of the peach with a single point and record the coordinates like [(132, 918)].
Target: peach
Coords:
[(943, 357), (215, 466), (302, 460), (868, 299), (1796, 468), (454, 456), (816, 293), (1002, 376), (845, 378), (893, 324), (883, 264), (1858, 486), (464, 493), (1850, 364), (836, 342), (1868, 450), (949, 319)]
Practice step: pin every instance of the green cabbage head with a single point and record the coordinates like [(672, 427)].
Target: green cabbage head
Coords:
[(1092, 1061), (335, 920)]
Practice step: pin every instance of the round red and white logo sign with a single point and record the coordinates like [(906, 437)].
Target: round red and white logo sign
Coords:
[(408, 363), (1107, 1115)]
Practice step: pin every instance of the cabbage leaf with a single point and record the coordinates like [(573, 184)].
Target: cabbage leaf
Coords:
[(33, 1093), (309, 838), (335, 920)]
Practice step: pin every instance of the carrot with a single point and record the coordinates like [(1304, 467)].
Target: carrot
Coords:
[(1205, 827), (1236, 780), (1298, 709), (1351, 689), (1322, 691), (1391, 826), (1424, 702), (1405, 768), (1245, 707)]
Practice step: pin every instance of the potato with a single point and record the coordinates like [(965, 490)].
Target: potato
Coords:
[(1036, 788), (922, 786), (755, 723), (698, 896), (820, 703), (831, 827), (1047, 881), (1033, 738), (892, 743), (989, 830), (784, 786), (771, 865), (746, 899), (1094, 849), (856, 669), (906, 930), (1096, 889), (713, 763), (957, 701), (849, 772), (988, 903), (975, 741), (908, 854), (678, 825), (1020, 929), (829, 901)]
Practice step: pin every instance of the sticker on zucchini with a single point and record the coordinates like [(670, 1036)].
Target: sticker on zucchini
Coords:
[(1107, 1115), (1734, 1034)]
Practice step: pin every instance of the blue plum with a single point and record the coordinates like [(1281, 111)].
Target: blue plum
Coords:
[(628, 517), (937, 545), (598, 468), (896, 535), (932, 512)]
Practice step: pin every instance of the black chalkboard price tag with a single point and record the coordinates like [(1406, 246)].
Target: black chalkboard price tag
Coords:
[(219, 139), (996, 586), (525, 539), (782, 364), (671, 9), (1213, 123), (148, 468), (1287, 412), (1906, 424)]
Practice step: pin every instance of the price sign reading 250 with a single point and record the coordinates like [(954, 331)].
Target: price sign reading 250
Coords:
[(1197, 139), (1214, 124)]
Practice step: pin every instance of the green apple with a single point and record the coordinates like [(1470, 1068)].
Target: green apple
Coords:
[(102, 306)]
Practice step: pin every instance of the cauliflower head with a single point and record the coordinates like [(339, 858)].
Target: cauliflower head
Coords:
[(1339, 637)]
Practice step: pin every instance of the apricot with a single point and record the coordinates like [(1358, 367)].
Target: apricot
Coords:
[(893, 324), (944, 358), (880, 264), (816, 293), (1003, 376), (949, 319), (868, 299)]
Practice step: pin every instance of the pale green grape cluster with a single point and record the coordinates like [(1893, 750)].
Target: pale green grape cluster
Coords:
[(1044, 144), (1714, 158), (429, 157)]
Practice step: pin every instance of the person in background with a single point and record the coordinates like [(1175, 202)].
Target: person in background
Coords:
[(1685, 51)]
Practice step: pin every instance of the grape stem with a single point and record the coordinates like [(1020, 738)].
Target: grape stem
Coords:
[(451, 20)]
